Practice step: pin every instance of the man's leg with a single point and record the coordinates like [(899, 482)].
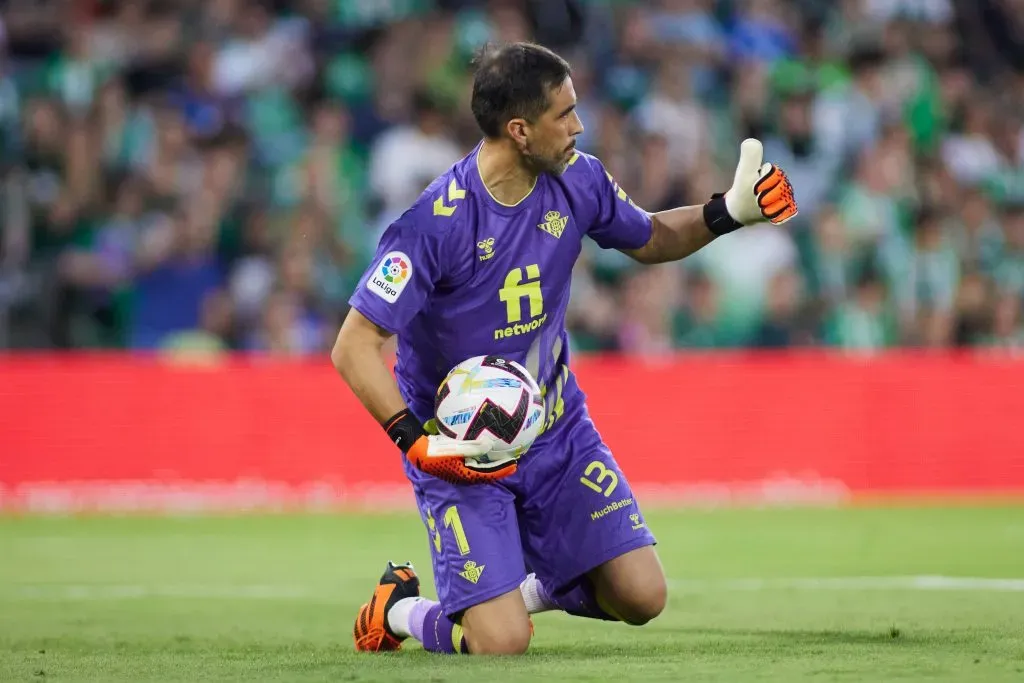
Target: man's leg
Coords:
[(585, 536), (631, 586), (476, 553), (500, 626)]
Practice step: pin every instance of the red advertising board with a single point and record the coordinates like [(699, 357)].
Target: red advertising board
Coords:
[(128, 433)]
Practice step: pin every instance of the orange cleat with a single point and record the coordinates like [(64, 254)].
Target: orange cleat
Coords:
[(371, 631)]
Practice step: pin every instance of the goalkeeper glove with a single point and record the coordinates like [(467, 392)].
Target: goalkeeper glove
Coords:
[(443, 457), (759, 192)]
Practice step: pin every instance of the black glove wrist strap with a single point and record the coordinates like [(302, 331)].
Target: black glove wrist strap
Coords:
[(403, 429), (717, 218)]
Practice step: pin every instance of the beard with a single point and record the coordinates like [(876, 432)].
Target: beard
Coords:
[(538, 163)]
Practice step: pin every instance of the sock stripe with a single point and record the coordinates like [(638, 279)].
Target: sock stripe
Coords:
[(457, 635), (606, 608)]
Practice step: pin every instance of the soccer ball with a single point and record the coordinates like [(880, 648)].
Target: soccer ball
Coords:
[(489, 397)]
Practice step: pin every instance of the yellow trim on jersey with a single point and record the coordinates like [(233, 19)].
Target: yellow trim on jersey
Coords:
[(481, 175)]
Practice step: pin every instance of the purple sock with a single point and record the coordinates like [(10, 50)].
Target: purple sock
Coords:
[(580, 601), (438, 633)]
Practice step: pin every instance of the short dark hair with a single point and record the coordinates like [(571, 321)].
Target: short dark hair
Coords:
[(513, 81)]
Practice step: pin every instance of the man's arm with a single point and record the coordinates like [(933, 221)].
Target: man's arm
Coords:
[(759, 192), (675, 234), (357, 356)]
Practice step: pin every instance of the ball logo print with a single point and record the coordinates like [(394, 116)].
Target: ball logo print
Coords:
[(514, 370), (499, 422), (392, 275)]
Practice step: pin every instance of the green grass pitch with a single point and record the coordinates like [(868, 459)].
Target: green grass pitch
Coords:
[(756, 595)]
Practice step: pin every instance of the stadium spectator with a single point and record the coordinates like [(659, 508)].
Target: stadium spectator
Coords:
[(211, 176)]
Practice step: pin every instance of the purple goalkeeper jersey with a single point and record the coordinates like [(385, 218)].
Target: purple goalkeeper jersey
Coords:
[(460, 275)]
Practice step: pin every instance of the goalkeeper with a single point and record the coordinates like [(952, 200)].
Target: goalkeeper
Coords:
[(481, 264)]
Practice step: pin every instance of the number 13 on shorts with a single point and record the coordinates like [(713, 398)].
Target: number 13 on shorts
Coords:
[(599, 478)]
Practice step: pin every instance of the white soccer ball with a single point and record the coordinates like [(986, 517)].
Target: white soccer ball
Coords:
[(489, 397)]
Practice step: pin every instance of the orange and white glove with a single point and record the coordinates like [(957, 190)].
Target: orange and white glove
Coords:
[(442, 456), (760, 192)]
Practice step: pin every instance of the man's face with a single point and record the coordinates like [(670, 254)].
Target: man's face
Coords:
[(550, 140)]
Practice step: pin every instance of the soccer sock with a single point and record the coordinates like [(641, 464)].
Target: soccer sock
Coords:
[(425, 621), (536, 596), (400, 615)]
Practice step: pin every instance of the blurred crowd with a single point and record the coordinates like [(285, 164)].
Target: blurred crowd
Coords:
[(214, 174)]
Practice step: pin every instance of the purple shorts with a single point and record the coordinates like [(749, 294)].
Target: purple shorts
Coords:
[(567, 510)]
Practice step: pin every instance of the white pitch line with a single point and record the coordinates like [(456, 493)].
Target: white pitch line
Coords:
[(854, 583), (85, 592)]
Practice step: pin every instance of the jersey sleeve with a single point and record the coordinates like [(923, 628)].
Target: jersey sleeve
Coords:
[(406, 267), (618, 223)]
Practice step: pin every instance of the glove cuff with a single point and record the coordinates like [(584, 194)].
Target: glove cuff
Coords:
[(717, 217), (403, 429)]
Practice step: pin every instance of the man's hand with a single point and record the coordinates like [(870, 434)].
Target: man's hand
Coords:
[(442, 456), (760, 191), (445, 458)]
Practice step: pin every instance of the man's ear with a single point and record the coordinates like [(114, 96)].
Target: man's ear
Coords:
[(517, 130)]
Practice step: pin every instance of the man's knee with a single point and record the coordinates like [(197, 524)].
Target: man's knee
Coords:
[(632, 587), (642, 603), (498, 627), (508, 640)]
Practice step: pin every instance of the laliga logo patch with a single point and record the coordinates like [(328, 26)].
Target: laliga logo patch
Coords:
[(395, 270), (390, 276)]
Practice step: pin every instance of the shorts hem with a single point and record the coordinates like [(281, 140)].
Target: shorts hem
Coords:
[(450, 608), (610, 554)]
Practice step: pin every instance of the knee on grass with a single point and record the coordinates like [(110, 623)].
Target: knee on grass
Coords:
[(509, 638), (639, 604)]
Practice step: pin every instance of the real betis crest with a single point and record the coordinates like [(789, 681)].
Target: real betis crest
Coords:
[(554, 223), (472, 571)]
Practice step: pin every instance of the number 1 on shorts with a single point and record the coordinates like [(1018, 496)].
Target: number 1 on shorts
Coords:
[(454, 522)]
